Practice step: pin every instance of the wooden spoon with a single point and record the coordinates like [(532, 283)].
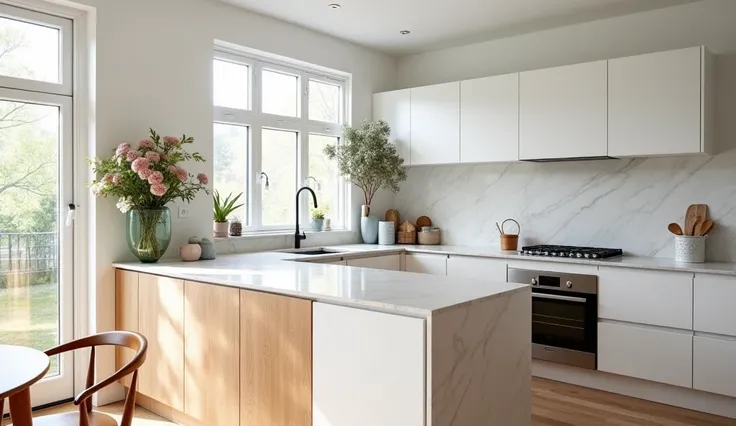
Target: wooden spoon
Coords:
[(707, 226), (697, 229), (675, 228)]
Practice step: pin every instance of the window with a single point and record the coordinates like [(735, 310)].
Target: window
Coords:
[(272, 122)]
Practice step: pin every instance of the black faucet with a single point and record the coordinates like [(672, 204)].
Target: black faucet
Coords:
[(297, 236)]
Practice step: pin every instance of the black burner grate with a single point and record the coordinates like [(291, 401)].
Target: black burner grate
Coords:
[(571, 251)]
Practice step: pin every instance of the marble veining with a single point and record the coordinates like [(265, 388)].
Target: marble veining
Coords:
[(625, 203), (276, 272), (480, 371)]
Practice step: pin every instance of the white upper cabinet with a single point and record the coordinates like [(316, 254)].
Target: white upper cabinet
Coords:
[(489, 119), (656, 103), (435, 124), (563, 112), (395, 109)]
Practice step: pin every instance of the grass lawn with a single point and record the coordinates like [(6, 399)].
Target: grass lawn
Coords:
[(29, 317)]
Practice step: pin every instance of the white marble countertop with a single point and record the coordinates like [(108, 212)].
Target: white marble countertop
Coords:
[(652, 263), (277, 272)]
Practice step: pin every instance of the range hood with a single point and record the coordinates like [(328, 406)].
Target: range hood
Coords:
[(559, 160)]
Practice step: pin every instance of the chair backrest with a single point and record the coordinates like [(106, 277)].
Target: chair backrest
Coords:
[(127, 339)]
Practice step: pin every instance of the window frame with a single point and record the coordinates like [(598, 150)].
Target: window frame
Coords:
[(66, 42), (256, 121)]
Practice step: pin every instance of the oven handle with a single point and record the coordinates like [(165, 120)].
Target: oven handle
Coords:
[(558, 297)]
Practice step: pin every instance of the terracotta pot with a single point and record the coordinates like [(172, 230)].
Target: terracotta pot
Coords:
[(220, 229)]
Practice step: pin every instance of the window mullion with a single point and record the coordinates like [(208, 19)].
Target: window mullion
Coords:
[(256, 187)]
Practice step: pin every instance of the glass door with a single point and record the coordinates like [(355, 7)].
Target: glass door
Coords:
[(36, 185)]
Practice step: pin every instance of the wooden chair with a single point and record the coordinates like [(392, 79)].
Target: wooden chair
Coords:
[(85, 416)]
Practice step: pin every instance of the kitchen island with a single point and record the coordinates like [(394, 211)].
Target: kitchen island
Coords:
[(266, 339)]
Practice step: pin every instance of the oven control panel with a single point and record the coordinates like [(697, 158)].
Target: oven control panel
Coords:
[(554, 280)]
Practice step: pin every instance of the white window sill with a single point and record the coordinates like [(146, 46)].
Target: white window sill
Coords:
[(271, 234)]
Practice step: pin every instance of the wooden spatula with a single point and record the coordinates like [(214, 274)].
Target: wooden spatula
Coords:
[(698, 229), (691, 215), (707, 226)]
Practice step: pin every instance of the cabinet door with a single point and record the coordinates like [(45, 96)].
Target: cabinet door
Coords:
[(713, 305), (390, 263), (388, 388), (563, 112), (212, 364), (654, 104), (276, 360), (126, 314), (714, 365), (645, 353), (435, 124), (478, 268), (395, 109), (161, 320), (435, 264), (646, 297), (489, 119)]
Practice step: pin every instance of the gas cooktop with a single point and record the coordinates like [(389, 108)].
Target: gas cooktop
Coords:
[(571, 251)]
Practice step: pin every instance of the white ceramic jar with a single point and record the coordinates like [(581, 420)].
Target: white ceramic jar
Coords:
[(689, 249), (386, 233)]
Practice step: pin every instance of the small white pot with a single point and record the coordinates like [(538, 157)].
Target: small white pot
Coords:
[(689, 249), (220, 229)]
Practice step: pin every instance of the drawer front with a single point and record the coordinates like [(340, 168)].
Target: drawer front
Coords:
[(646, 297), (714, 304), (644, 353), (714, 365), (435, 264), (390, 262), (477, 268)]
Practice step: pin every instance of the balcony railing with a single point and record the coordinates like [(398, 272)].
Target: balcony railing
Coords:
[(28, 258)]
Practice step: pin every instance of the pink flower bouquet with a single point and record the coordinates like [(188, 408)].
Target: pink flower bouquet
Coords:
[(144, 178)]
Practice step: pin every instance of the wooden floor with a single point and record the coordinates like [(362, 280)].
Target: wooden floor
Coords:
[(553, 404)]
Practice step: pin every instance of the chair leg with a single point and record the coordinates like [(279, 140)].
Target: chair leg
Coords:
[(129, 408), (83, 413)]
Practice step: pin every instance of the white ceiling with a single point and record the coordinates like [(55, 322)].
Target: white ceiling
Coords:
[(437, 24)]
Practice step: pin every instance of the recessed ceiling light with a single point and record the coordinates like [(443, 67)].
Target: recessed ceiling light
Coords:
[(334, 6), (404, 32)]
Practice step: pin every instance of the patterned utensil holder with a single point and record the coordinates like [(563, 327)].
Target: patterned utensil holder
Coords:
[(689, 249)]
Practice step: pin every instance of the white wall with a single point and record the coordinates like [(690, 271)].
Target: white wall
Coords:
[(619, 203), (154, 69)]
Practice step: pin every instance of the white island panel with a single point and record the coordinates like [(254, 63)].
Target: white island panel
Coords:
[(368, 368), (480, 363)]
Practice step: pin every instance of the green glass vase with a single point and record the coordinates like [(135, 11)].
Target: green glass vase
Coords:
[(148, 233)]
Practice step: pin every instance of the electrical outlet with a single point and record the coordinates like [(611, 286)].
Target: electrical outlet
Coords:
[(183, 212)]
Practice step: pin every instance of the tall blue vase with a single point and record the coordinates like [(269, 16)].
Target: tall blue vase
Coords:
[(369, 229)]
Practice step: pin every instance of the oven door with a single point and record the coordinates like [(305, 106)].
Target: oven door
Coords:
[(564, 327)]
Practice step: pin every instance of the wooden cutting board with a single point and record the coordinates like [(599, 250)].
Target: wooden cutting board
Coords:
[(423, 221), (393, 216), (693, 213)]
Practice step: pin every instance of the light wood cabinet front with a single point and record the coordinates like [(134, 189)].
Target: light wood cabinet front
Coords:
[(211, 354), (126, 314), (161, 320), (275, 360)]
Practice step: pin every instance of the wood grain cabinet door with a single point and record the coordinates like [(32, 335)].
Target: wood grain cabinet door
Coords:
[(161, 320), (211, 354), (126, 314), (275, 360)]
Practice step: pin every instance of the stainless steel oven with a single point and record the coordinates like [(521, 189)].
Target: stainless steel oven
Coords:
[(564, 316)]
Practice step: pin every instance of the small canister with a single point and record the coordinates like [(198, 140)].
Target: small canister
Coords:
[(689, 249), (509, 241), (208, 249), (386, 233)]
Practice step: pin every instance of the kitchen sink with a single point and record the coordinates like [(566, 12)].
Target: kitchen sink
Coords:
[(314, 252)]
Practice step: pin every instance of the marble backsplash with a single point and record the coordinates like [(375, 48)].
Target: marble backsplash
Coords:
[(624, 203)]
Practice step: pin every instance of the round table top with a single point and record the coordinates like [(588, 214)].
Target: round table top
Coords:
[(20, 367)]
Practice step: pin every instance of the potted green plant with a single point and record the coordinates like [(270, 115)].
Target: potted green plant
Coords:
[(369, 161), (145, 177), (222, 209), (318, 218)]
